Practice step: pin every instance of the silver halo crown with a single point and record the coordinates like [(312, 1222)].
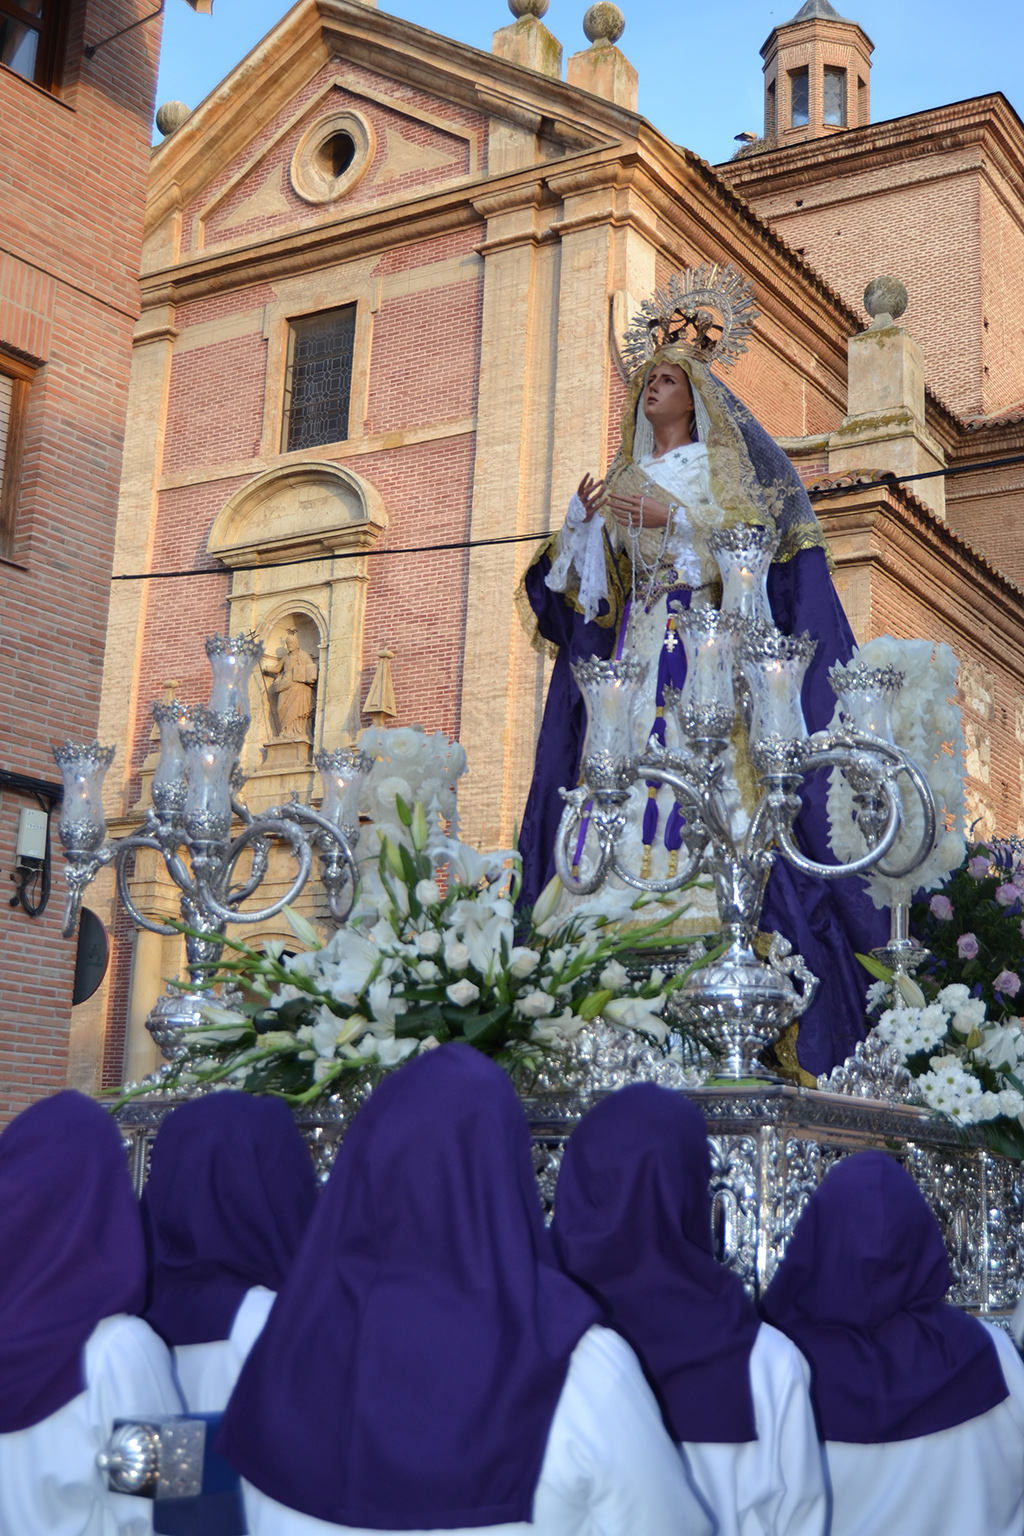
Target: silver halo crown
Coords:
[(709, 309)]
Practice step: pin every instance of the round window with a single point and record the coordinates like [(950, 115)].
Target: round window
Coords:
[(331, 156)]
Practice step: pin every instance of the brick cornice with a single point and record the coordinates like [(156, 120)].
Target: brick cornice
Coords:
[(897, 533), (988, 122)]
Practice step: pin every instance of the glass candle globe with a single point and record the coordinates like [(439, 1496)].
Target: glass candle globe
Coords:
[(610, 692), (232, 662), (866, 696), (212, 740), (83, 766), (343, 773), (744, 554)]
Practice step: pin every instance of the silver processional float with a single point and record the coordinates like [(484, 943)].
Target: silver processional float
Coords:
[(739, 664)]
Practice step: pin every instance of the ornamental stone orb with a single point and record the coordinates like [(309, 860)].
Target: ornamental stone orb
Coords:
[(885, 296), (521, 8), (171, 115), (604, 23)]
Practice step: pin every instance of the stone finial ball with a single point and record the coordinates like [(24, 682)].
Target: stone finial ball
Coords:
[(520, 8), (604, 23), (171, 116), (885, 296)]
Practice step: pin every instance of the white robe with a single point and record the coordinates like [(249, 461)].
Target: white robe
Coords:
[(207, 1372), (50, 1484), (609, 1468), (965, 1481), (774, 1485)]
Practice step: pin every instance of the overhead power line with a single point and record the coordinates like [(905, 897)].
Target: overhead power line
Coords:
[(520, 538)]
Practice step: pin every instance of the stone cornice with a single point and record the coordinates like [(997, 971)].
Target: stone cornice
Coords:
[(986, 121), (896, 532)]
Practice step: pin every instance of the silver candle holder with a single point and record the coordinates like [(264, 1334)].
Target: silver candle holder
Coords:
[(738, 661), (201, 829)]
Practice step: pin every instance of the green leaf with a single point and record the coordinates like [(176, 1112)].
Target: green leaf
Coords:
[(592, 1005), (875, 968), (483, 1029)]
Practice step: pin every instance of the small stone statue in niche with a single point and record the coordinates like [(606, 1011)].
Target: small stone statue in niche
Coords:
[(293, 689)]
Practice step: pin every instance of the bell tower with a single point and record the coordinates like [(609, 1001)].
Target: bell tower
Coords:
[(817, 75)]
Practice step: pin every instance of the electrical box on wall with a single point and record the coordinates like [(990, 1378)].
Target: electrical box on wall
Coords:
[(31, 847)]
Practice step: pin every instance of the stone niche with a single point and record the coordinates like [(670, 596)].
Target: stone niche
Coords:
[(326, 518)]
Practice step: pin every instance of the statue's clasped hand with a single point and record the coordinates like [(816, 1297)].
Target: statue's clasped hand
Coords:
[(628, 511)]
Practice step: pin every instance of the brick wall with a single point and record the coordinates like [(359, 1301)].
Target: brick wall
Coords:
[(896, 221), (72, 181)]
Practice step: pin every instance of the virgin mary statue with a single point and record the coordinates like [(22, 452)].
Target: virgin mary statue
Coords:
[(632, 550)]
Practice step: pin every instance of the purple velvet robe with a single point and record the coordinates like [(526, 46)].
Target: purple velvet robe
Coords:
[(826, 921)]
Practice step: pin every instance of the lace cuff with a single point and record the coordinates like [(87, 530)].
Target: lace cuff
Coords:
[(581, 546)]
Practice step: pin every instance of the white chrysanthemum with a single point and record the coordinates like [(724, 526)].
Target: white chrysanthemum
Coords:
[(877, 994), (1010, 1102)]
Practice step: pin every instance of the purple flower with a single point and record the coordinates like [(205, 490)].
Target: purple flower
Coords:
[(967, 946), (1007, 894), (941, 907), (1007, 982), (978, 867)]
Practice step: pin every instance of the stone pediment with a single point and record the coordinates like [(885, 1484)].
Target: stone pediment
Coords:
[(357, 140), (297, 511)]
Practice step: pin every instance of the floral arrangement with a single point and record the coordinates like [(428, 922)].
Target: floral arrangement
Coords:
[(410, 764), (958, 1031), (418, 965), (927, 725)]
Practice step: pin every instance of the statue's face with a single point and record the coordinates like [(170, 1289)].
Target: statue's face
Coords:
[(291, 641), (668, 398)]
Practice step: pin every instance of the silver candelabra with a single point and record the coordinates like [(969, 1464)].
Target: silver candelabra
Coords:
[(738, 661), (191, 825)]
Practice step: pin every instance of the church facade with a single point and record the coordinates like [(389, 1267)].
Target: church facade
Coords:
[(383, 280)]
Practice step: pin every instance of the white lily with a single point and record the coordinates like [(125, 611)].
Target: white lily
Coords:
[(385, 1008)]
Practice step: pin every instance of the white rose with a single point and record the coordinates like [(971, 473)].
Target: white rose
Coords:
[(431, 1043), (522, 961), (535, 1005), (462, 993), (456, 957), (969, 1015), (427, 971), (428, 893), (428, 943), (614, 976)]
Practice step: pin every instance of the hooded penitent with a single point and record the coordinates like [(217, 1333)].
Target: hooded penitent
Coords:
[(231, 1189), (71, 1250), (633, 1224), (409, 1372), (752, 481), (861, 1291)]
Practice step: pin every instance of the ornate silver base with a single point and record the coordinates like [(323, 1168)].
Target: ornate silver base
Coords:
[(743, 1006), (171, 1015), (771, 1146)]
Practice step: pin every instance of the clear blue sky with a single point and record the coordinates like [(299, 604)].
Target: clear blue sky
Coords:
[(699, 64)]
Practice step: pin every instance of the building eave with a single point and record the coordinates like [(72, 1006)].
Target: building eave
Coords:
[(989, 121)]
